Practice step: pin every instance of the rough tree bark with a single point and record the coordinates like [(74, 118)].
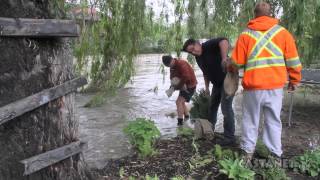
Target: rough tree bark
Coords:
[(28, 66)]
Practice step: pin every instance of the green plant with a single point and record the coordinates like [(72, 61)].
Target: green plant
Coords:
[(201, 102), (142, 134), (178, 178), (273, 173), (121, 172), (220, 153), (198, 161), (185, 132), (229, 154), (151, 178), (261, 149), (195, 146), (131, 178), (235, 169), (308, 163)]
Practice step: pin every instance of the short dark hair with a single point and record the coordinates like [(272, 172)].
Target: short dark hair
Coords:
[(262, 9), (166, 60), (187, 43)]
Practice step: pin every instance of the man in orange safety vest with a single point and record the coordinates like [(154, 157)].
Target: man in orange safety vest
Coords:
[(268, 54)]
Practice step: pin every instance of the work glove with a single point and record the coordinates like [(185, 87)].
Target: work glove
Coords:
[(291, 87), (225, 63)]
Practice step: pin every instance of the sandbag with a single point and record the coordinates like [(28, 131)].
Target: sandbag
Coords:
[(203, 129), (231, 83), (175, 81)]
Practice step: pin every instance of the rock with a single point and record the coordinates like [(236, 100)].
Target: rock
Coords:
[(203, 129)]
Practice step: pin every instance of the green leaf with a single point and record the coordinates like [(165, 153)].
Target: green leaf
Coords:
[(234, 169), (313, 173), (218, 151), (121, 172), (142, 134)]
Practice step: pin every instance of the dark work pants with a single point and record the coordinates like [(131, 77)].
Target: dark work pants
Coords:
[(218, 96)]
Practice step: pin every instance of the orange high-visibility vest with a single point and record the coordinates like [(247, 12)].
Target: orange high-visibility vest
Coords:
[(267, 58)]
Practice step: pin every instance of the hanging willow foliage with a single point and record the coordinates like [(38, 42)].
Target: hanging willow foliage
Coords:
[(302, 18), (223, 18), (169, 30), (178, 13), (229, 17), (172, 34), (204, 8), (108, 46), (192, 25)]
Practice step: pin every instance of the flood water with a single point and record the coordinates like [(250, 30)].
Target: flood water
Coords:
[(143, 96)]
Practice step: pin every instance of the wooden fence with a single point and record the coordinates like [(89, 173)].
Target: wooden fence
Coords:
[(41, 28)]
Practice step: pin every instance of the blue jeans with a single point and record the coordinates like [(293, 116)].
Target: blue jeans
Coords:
[(218, 96)]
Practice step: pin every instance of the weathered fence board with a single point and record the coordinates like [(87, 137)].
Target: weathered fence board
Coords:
[(38, 27), (46, 159), (17, 108)]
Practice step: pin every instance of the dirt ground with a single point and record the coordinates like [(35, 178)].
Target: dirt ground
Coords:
[(303, 134), (304, 131), (172, 160), (175, 154)]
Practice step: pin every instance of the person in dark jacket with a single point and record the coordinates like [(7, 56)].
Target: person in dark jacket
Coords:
[(211, 57)]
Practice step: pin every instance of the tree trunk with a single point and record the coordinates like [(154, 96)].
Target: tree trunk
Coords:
[(28, 66)]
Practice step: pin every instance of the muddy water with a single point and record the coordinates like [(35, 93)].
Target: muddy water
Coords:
[(143, 96)]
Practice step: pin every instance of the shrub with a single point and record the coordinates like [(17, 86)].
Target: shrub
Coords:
[(185, 132), (308, 163), (262, 150), (273, 173), (142, 134), (201, 103), (220, 153)]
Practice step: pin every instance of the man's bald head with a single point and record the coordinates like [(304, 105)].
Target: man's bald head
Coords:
[(262, 9)]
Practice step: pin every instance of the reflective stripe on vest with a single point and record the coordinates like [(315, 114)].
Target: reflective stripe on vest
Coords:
[(293, 62), (271, 47), (264, 41), (266, 62)]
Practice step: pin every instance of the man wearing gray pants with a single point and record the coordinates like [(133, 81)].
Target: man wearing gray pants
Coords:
[(270, 103), (268, 54)]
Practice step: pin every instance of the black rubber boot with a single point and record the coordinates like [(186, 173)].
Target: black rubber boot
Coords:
[(180, 121)]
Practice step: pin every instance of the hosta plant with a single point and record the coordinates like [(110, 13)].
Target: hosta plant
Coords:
[(142, 134)]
